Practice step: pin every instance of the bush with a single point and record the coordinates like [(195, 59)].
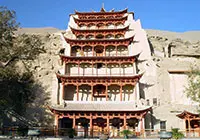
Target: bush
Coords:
[(125, 133), (176, 134)]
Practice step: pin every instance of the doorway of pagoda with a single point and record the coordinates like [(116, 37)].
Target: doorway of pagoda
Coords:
[(65, 125), (82, 127), (99, 126), (99, 92), (75, 50), (99, 50), (116, 127), (132, 124)]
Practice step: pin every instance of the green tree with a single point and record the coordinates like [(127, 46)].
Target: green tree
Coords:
[(16, 85), (193, 88)]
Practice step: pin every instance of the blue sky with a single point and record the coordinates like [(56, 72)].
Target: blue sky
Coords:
[(172, 15)]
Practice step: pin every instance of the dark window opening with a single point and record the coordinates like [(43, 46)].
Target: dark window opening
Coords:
[(155, 101), (99, 65), (99, 36), (62, 51), (99, 51), (99, 90), (163, 125)]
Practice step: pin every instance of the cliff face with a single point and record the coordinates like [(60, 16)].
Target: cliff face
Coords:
[(172, 55), (44, 68)]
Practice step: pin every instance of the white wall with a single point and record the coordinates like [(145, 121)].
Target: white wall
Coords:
[(178, 83)]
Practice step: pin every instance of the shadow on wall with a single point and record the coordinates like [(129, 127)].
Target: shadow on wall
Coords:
[(142, 86), (150, 120), (25, 105), (151, 47), (37, 111)]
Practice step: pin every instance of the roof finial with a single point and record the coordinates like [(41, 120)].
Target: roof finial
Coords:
[(102, 8)]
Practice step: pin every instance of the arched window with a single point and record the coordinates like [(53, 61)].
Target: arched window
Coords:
[(80, 37), (110, 26), (89, 36), (82, 26), (110, 36), (99, 36), (100, 25), (118, 36), (119, 25), (91, 26)]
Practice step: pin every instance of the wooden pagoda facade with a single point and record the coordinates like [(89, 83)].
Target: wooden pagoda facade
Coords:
[(191, 121), (101, 110)]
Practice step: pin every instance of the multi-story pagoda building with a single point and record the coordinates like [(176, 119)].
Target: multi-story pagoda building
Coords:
[(99, 89)]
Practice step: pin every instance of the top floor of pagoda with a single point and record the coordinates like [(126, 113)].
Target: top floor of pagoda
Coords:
[(102, 14), (100, 20)]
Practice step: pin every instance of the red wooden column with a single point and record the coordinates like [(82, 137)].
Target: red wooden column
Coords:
[(77, 92), (91, 125), (108, 122), (74, 121), (120, 91), (81, 50), (92, 50), (124, 120), (92, 92), (106, 91)]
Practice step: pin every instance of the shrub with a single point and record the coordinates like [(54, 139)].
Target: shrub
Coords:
[(176, 134)]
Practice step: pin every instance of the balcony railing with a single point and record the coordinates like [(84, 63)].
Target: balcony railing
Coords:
[(101, 75)]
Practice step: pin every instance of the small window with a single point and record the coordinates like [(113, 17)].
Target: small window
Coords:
[(163, 125), (155, 101), (148, 104)]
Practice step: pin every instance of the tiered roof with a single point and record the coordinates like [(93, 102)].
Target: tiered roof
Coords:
[(189, 115), (114, 31), (104, 79), (99, 42), (96, 21), (102, 12), (93, 59)]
